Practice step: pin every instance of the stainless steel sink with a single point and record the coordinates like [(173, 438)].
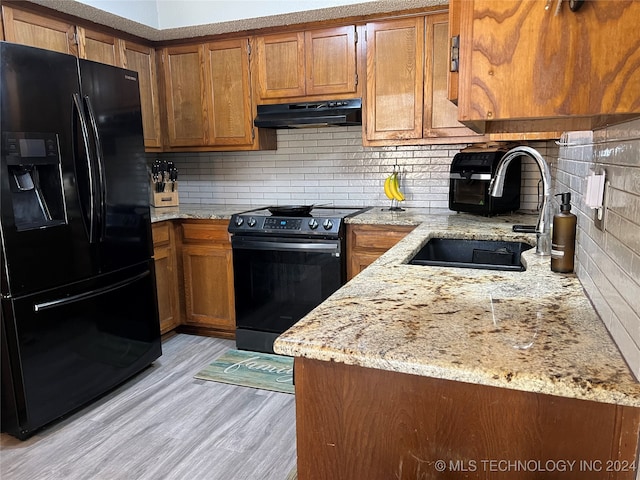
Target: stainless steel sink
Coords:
[(465, 253)]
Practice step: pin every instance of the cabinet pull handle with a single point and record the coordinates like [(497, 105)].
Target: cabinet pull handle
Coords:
[(455, 53)]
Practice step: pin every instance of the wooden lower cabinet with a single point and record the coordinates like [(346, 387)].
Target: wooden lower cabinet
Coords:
[(360, 423), (207, 266), (365, 243), (167, 285)]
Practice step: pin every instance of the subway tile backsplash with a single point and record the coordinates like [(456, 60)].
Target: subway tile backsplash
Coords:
[(608, 261), (318, 165)]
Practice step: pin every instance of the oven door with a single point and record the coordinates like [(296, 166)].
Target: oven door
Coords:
[(278, 281)]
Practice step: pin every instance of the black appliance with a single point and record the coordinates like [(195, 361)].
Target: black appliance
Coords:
[(310, 114), (286, 261), (79, 311), (470, 175)]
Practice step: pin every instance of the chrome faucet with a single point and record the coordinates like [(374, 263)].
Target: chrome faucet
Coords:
[(543, 237)]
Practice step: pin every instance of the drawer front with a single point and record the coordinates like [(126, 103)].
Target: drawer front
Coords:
[(211, 231), (160, 232), (378, 238)]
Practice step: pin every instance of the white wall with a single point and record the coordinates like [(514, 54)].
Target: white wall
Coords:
[(164, 14), (141, 11)]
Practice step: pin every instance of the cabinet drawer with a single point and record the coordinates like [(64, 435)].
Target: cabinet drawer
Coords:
[(378, 237), (211, 231), (160, 232)]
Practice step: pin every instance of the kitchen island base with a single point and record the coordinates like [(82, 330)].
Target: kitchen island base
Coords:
[(363, 423)]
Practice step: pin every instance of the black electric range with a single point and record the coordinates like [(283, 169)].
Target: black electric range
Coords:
[(286, 261)]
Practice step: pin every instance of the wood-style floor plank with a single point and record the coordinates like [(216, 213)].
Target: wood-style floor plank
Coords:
[(165, 425)]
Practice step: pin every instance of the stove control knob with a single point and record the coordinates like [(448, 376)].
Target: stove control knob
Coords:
[(251, 222), (327, 224), (239, 221), (313, 224)]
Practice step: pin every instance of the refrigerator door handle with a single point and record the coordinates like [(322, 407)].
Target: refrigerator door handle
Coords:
[(100, 164), (90, 216), (39, 307)]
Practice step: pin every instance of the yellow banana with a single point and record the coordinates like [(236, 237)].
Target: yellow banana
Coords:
[(395, 188), (387, 187)]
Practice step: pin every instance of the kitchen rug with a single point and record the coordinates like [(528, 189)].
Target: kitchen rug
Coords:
[(251, 369)]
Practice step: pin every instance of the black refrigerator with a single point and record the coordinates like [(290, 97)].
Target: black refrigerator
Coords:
[(79, 310)]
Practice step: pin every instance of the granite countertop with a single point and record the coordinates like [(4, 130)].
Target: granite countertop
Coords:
[(194, 211), (534, 331)]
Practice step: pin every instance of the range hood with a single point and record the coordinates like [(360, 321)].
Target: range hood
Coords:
[(310, 114)]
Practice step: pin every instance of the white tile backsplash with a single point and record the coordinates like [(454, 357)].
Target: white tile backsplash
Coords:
[(608, 262), (329, 165)]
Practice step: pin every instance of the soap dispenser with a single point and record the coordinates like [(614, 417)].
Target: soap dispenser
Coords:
[(563, 239)]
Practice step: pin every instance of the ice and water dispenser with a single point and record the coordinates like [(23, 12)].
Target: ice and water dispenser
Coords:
[(35, 179)]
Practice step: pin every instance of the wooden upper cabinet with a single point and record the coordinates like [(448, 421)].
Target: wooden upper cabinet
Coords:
[(395, 72), (39, 31), (440, 114), (229, 92), (185, 94), (406, 102), (313, 64), (523, 68), (280, 65), (209, 98), (330, 59), (100, 47), (142, 59)]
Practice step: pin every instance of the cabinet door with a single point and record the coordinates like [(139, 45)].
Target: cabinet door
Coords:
[(280, 65), (143, 60), (208, 289), (454, 35), (208, 276), (522, 63), (166, 275), (440, 115), (229, 93), (185, 91), (331, 61), (395, 72), (100, 47), (39, 31)]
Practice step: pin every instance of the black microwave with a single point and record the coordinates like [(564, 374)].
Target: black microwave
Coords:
[(469, 179)]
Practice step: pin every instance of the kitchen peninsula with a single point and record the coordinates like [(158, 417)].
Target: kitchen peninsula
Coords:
[(424, 372)]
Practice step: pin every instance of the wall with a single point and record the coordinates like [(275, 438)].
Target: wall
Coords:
[(181, 13), (319, 165), (608, 262)]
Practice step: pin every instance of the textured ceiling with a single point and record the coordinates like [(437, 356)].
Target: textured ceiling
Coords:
[(104, 18)]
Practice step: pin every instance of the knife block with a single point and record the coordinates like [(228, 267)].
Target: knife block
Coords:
[(166, 198)]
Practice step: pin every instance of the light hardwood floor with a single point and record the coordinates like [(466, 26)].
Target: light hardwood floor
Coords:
[(164, 424)]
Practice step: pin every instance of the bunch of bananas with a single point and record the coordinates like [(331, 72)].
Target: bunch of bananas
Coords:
[(392, 188)]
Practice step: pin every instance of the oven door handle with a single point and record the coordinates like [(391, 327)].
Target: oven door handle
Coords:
[(319, 247)]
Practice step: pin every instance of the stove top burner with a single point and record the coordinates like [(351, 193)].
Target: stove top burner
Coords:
[(294, 220)]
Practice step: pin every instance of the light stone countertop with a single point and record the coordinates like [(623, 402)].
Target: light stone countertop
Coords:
[(199, 212), (534, 331)]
